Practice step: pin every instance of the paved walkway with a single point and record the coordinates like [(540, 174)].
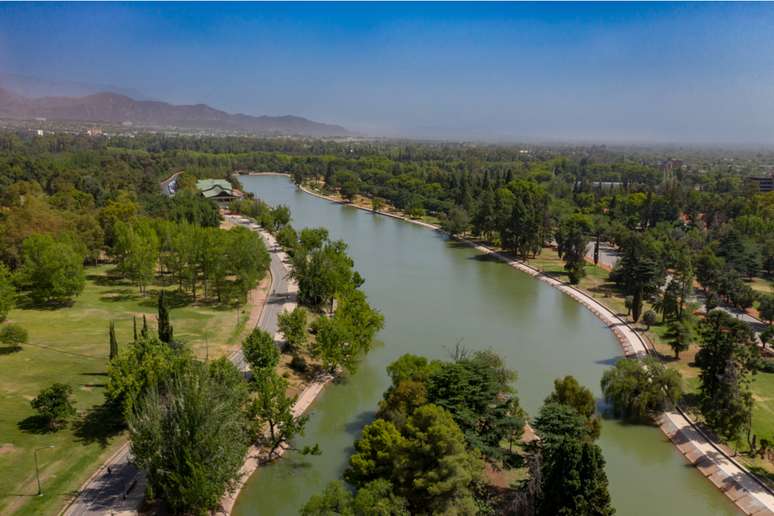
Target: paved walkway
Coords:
[(711, 460)]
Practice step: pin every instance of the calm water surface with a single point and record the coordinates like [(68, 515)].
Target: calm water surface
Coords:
[(435, 293)]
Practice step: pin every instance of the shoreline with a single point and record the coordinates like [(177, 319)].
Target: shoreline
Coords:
[(253, 457), (746, 491)]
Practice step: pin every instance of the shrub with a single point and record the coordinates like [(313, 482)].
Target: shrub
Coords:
[(54, 406), (13, 335)]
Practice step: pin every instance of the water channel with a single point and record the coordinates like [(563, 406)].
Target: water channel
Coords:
[(434, 293)]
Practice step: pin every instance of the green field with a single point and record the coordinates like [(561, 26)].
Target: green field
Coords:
[(70, 345)]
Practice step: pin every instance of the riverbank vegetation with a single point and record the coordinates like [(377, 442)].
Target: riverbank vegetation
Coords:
[(449, 439)]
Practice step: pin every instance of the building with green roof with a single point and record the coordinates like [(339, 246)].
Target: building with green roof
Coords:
[(218, 190)]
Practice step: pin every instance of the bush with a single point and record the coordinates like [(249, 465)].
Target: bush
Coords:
[(54, 406), (298, 364), (767, 365), (639, 388), (13, 335), (649, 318)]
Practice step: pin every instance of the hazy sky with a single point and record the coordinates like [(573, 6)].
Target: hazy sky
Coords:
[(588, 72)]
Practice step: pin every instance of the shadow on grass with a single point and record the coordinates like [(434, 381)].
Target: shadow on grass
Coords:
[(99, 425), (124, 294), (8, 350), (36, 424), (173, 298), (25, 302), (111, 279)]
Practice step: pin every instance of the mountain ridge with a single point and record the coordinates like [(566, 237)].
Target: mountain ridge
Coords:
[(116, 108)]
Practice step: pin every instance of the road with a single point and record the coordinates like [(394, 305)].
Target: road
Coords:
[(608, 254), (169, 185), (118, 487), (283, 293)]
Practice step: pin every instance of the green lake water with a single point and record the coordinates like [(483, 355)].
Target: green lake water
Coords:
[(434, 293)]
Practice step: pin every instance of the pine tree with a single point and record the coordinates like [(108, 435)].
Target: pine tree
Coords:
[(113, 341), (165, 328)]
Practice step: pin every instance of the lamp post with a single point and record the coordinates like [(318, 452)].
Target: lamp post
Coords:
[(37, 472)]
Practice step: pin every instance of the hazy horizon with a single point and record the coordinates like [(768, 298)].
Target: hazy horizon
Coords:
[(616, 73)]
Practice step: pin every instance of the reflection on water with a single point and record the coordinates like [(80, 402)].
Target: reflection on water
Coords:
[(434, 293)]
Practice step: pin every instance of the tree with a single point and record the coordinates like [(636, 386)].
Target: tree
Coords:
[(572, 241), (639, 388), (165, 327), (712, 301), (679, 335), (13, 335), (485, 218), (639, 271), (766, 307), (313, 238), (273, 410), (378, 498), (727, 358), (287, 237), (342, 339), (649, 318), (138, 368), (191, 440), (334, 500), (456, 222), (376, 453), (7, 292), (324, 272), (113, 341), (51, 271), (557, 420), (247, 259), (54, 406), (476, 390), (280, 216), (260, 352), (435, 471), (293, 326), (401, 400), (567, 391), (137, 247), (669, 303), (574, 480)]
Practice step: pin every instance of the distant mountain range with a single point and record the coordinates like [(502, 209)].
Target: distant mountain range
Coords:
[(113, 108)]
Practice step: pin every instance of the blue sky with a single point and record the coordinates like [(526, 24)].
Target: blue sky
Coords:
[(585, 72)]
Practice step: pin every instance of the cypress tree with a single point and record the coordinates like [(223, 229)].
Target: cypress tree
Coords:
[(144, 331), (165, 328), (134, 327), (113, 341)]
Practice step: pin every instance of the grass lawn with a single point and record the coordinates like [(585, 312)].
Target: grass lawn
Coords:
[(70, 345), (762, 285)]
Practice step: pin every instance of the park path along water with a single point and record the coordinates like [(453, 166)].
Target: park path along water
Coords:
[(434, 293)]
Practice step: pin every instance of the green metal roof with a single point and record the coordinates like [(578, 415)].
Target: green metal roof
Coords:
[(206, 184)]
